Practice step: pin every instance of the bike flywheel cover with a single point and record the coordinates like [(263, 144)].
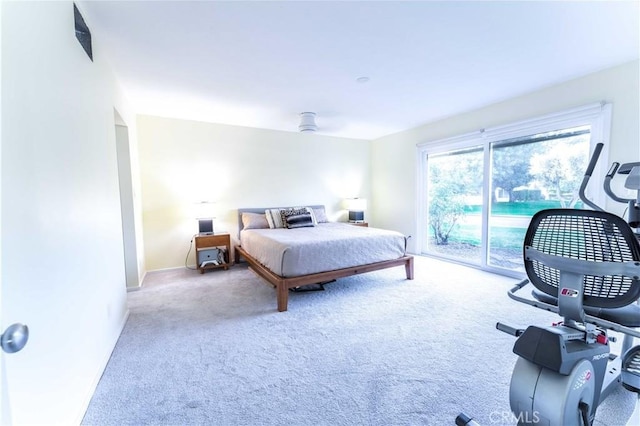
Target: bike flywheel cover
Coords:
[(542, 396)]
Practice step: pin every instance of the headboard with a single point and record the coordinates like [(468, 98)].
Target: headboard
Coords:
[(262, 209)]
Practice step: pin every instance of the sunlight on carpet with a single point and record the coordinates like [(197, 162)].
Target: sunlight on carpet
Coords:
[(372, 349)]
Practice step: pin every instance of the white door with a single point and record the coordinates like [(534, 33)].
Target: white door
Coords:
[(13, 339), (5, 416), (62, 269)]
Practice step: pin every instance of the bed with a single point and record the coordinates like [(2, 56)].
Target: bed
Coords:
[(321, 252)]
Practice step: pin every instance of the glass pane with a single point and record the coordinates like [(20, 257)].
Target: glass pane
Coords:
[(454, 184), (528, 175)]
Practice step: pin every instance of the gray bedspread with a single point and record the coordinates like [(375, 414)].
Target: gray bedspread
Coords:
[(325, 247)]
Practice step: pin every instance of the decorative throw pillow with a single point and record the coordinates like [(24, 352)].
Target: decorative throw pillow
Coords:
[(299, 221), (289, 211), (297, 217), (276, 218), (254, 221)]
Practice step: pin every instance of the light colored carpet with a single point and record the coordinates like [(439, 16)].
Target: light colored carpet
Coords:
[(373, 349)]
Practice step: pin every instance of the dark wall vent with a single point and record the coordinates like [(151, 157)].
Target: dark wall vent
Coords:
[(82, 32)]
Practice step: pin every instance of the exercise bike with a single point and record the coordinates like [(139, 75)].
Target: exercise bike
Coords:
[(585, 266)]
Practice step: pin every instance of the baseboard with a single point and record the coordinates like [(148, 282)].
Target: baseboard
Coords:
[(173, 268), (96, 379), (140, 281)]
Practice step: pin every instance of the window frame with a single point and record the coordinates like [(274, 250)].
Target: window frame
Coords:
[(597, 116)]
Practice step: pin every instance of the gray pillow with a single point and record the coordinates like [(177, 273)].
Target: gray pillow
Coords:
[(254, 221)]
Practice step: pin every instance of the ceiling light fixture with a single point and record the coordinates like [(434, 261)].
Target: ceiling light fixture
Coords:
[(308, 122)]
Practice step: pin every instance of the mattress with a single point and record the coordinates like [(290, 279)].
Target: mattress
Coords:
[(324, 247)]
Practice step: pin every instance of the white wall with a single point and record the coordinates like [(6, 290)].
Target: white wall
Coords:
[(62, 249), (394, 191), (187, 161)]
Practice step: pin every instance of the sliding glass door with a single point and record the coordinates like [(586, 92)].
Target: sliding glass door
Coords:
[(530, 174), (481, 190), (455, 203)]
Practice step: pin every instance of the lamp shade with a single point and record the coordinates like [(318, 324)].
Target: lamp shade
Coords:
[(356, 207), (205, 213), (205, 210), (356, 204), (308, 122)]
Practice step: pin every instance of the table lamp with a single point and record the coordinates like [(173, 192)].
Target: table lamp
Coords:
[(205, 216), (356, 207)]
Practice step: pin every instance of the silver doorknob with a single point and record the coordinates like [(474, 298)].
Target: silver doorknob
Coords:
[(14, 338)]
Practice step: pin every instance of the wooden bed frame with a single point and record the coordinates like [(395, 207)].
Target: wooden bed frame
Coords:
[(283, 284)]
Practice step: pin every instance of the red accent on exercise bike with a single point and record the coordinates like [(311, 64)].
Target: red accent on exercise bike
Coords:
[(602, 339)]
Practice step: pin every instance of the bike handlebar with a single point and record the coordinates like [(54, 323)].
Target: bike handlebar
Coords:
[(594, 159), (587, 176), (554, 308), (613, 169), (607, 184)]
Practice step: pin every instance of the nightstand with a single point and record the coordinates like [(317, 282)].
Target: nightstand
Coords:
[(359, 223), (208, 249)]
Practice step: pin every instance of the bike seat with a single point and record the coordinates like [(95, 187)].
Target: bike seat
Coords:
[(584, 261), (628, 316)]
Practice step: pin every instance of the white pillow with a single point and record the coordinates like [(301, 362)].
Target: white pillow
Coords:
[(274, 218), (319, 215)]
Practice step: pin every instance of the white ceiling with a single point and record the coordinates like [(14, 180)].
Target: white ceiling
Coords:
[(261, 63)]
